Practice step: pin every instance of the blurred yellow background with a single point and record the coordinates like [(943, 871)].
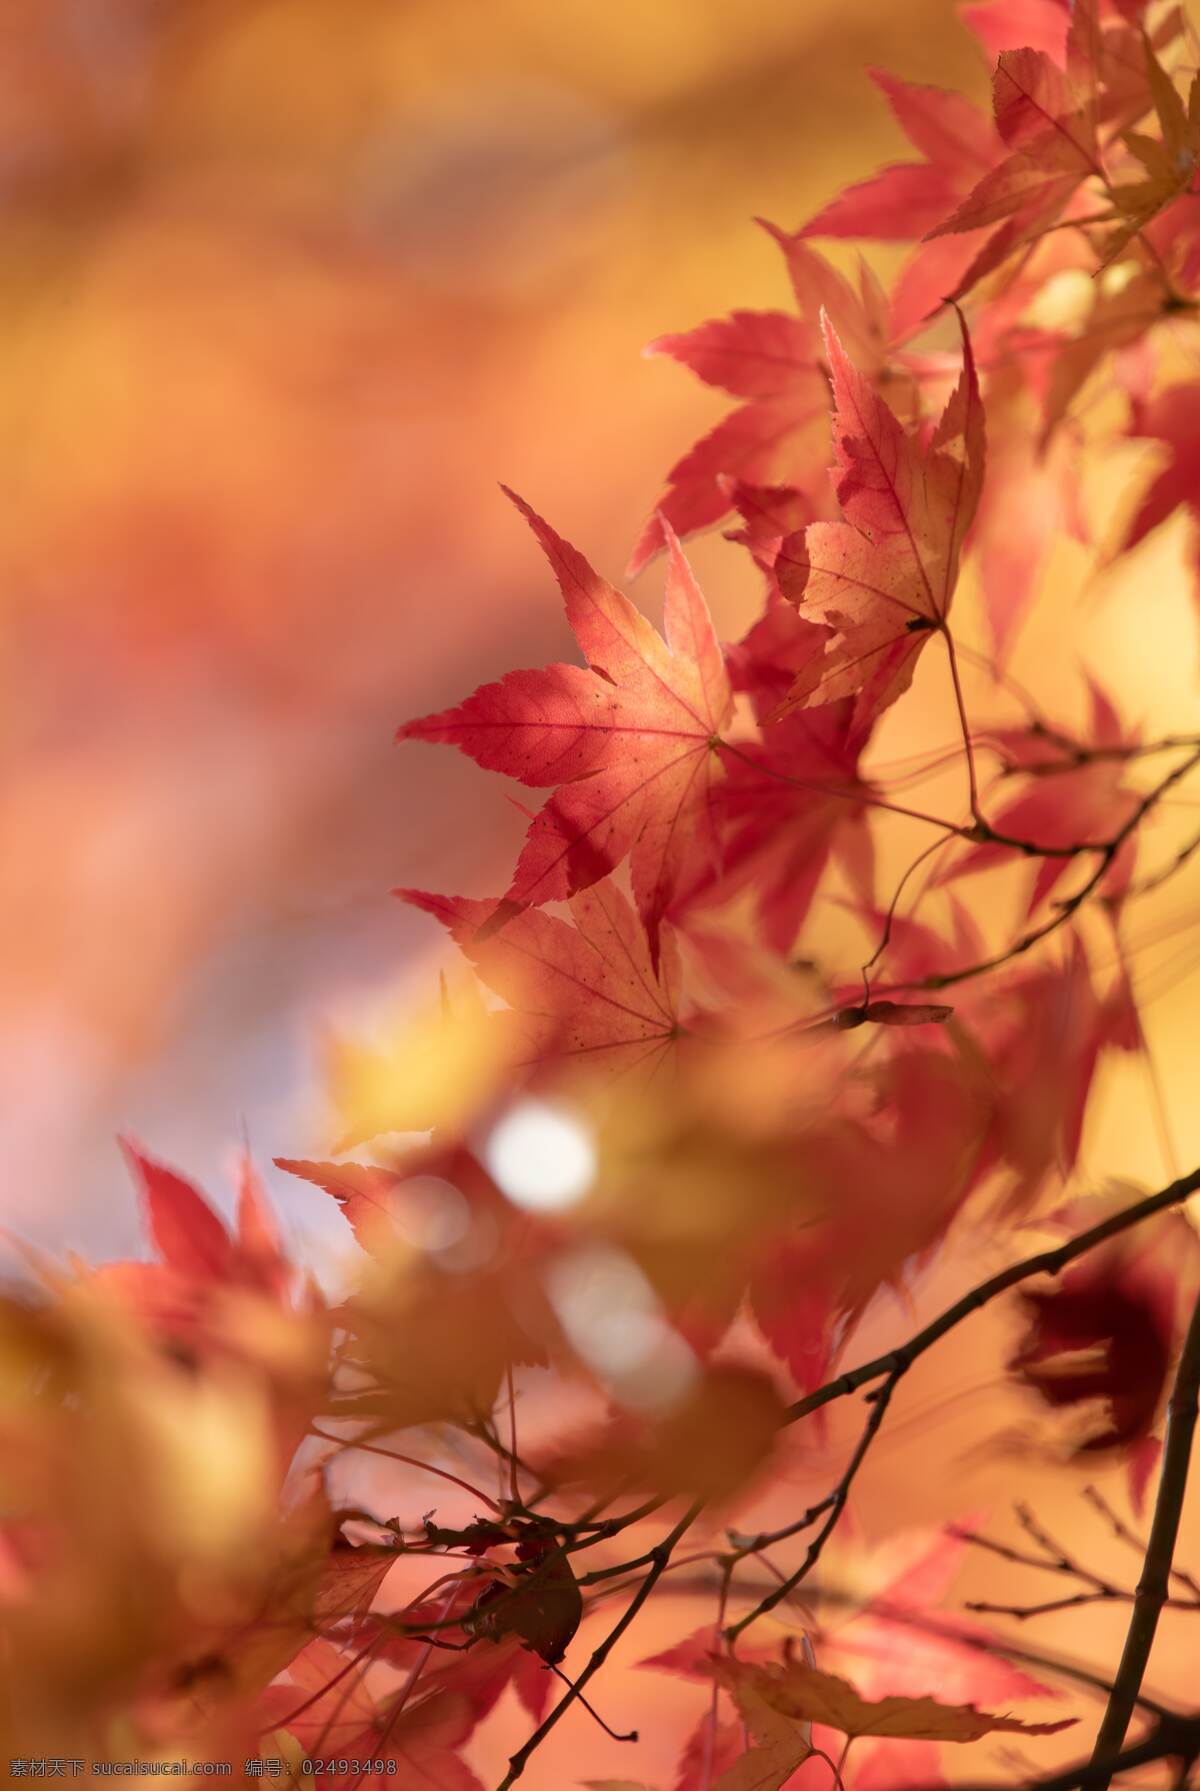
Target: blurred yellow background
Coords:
[(286, 286)]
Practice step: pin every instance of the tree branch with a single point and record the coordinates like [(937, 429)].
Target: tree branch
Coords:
[(896, 1362), (891, 1368), (1152, 1587)]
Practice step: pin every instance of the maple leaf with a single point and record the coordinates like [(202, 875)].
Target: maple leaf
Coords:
[(788, 805), (615, 1785), (630, 741), (1039, 1032), (350, 1577), (776, 361), (419, 1071), (1013, 24), (1173, 418), (780, 1746), (433, 1340), (1050, 1028), (216, 1293), (1050, 131), (794, 798), (1169, 163), (539, 1602), (320, 1704), (338, 1582), (1099, 1343), (710, 1750), (805, 1695), (312, 1579), (338, 1714), (590, 987), (491, 1666), (1039, 481), (905, 200), (424, 1199), (883, 578), (692, 1656), (892, 1643), (186, 1232), (425, 1739), (887, 1192), (1047, 107), (363, 1191)]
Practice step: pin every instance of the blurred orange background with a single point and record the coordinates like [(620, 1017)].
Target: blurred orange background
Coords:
[(286, 286)]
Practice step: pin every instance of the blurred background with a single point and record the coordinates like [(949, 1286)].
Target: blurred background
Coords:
[(286, 286)]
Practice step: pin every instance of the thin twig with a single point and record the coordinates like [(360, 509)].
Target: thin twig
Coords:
[(1063, 910), (1123, 1533), (880, 1398)]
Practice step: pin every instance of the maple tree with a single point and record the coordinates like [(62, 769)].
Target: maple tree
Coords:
[(720, 1083)]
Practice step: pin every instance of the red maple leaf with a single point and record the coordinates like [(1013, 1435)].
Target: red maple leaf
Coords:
[(888, 1186), (1047, 110), (776, 362), (630, 741), (1012, 24), (373, 1197), (883, 578), (788, 805), (588, 987), (906, 200), (199, 1259), (1050, 132), (896, 1643), (1044, 1033), (1039, 481)]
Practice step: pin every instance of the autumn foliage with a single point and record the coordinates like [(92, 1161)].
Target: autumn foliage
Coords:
[(719, 1122)]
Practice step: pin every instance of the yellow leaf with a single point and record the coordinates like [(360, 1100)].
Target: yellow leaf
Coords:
[(426, 1069)]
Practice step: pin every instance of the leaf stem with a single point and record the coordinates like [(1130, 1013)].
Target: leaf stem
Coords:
[(964, 724)]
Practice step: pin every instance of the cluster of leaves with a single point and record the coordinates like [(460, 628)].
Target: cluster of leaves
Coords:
[(750, 1086)]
